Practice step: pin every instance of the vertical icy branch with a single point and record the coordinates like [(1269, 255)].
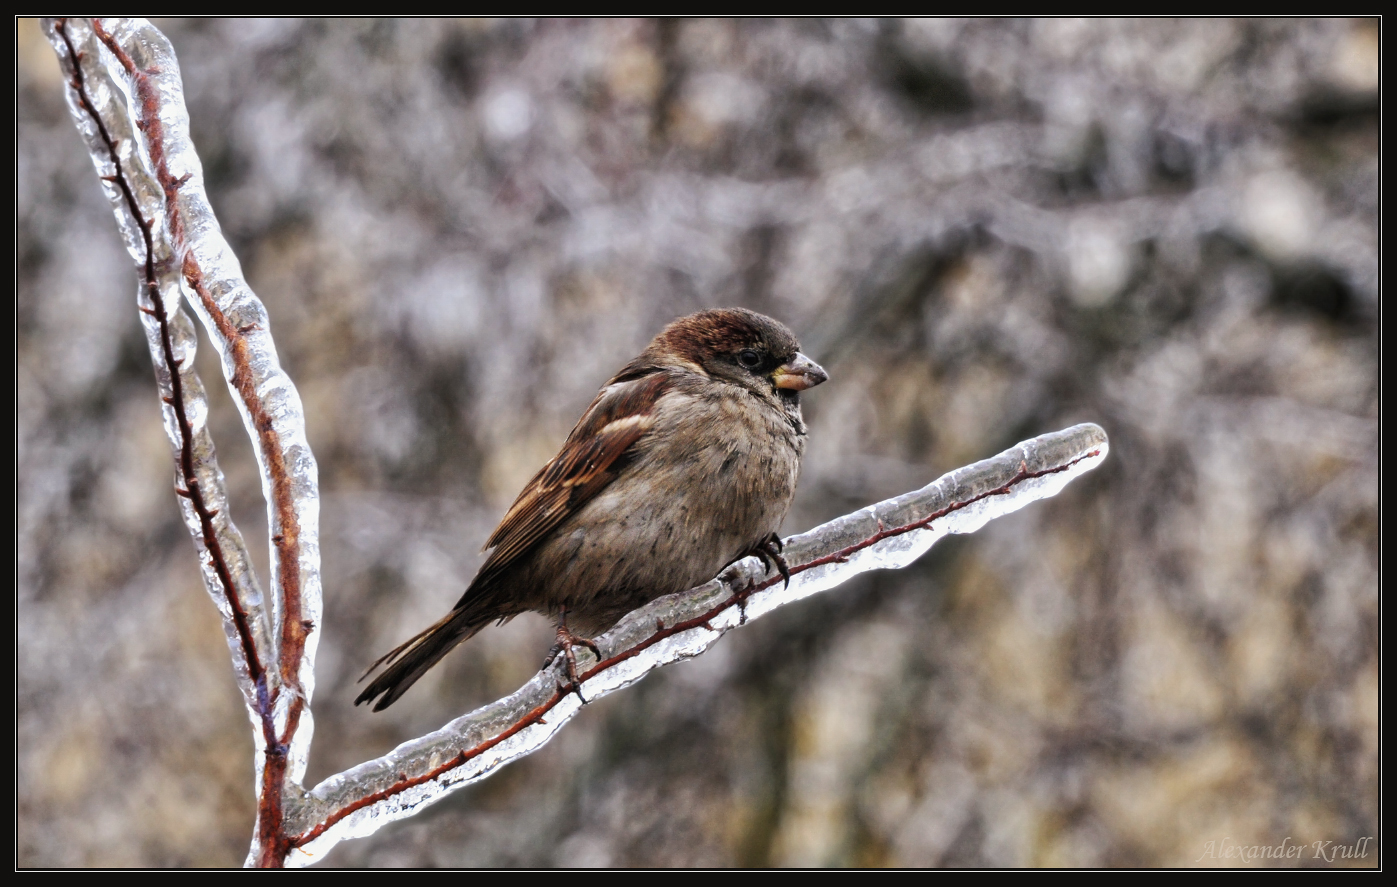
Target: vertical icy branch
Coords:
[(127, 99)]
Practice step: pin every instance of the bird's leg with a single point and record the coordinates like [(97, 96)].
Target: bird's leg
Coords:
[(566, 641)]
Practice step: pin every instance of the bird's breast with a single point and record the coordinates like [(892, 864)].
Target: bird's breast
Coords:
[(712, 480)]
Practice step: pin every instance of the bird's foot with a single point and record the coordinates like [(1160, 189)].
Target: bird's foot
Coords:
[(565, 644), (768, 551)]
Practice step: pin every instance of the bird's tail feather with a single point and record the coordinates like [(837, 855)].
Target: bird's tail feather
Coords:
[(408, 662)]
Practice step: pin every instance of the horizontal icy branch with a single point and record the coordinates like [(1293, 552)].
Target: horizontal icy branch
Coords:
[(890, 534)]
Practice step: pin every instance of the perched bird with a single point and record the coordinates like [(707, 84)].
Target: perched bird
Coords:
[(685, 462)]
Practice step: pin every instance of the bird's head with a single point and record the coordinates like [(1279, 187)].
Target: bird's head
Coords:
[(740, 347)]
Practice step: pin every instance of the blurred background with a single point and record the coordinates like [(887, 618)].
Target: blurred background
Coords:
[(984, 230)]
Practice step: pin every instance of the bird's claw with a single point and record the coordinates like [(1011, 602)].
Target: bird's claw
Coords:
[(768, 551)]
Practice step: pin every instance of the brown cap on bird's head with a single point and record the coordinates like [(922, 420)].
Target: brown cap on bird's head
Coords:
[(727, 339)]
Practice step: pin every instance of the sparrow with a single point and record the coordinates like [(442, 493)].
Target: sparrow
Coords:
[(685, 462)]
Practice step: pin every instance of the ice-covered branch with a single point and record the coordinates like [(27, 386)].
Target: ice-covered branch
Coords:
[(891, 534), (126, 96)]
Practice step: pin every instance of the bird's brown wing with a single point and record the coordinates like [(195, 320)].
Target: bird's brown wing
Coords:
[(593, 455)]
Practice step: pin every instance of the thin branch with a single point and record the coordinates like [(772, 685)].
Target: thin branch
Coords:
[(167, 365), (181, 390), (127, 99)]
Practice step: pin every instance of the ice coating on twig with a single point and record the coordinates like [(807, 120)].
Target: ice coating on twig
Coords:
[(127, 99), (106, 93), (888, 535)]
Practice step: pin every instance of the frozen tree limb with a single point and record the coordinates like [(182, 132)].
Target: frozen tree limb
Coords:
[(125, 94), (891, 534)]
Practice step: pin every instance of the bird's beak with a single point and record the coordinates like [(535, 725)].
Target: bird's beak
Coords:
[(799, 373)]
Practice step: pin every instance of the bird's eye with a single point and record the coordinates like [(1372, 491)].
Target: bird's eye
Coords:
[(750, 359)]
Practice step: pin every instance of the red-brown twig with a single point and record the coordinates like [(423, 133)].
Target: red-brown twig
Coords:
[(293, 628)]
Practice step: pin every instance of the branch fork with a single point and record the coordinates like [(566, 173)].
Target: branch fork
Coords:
[(126, 97)]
